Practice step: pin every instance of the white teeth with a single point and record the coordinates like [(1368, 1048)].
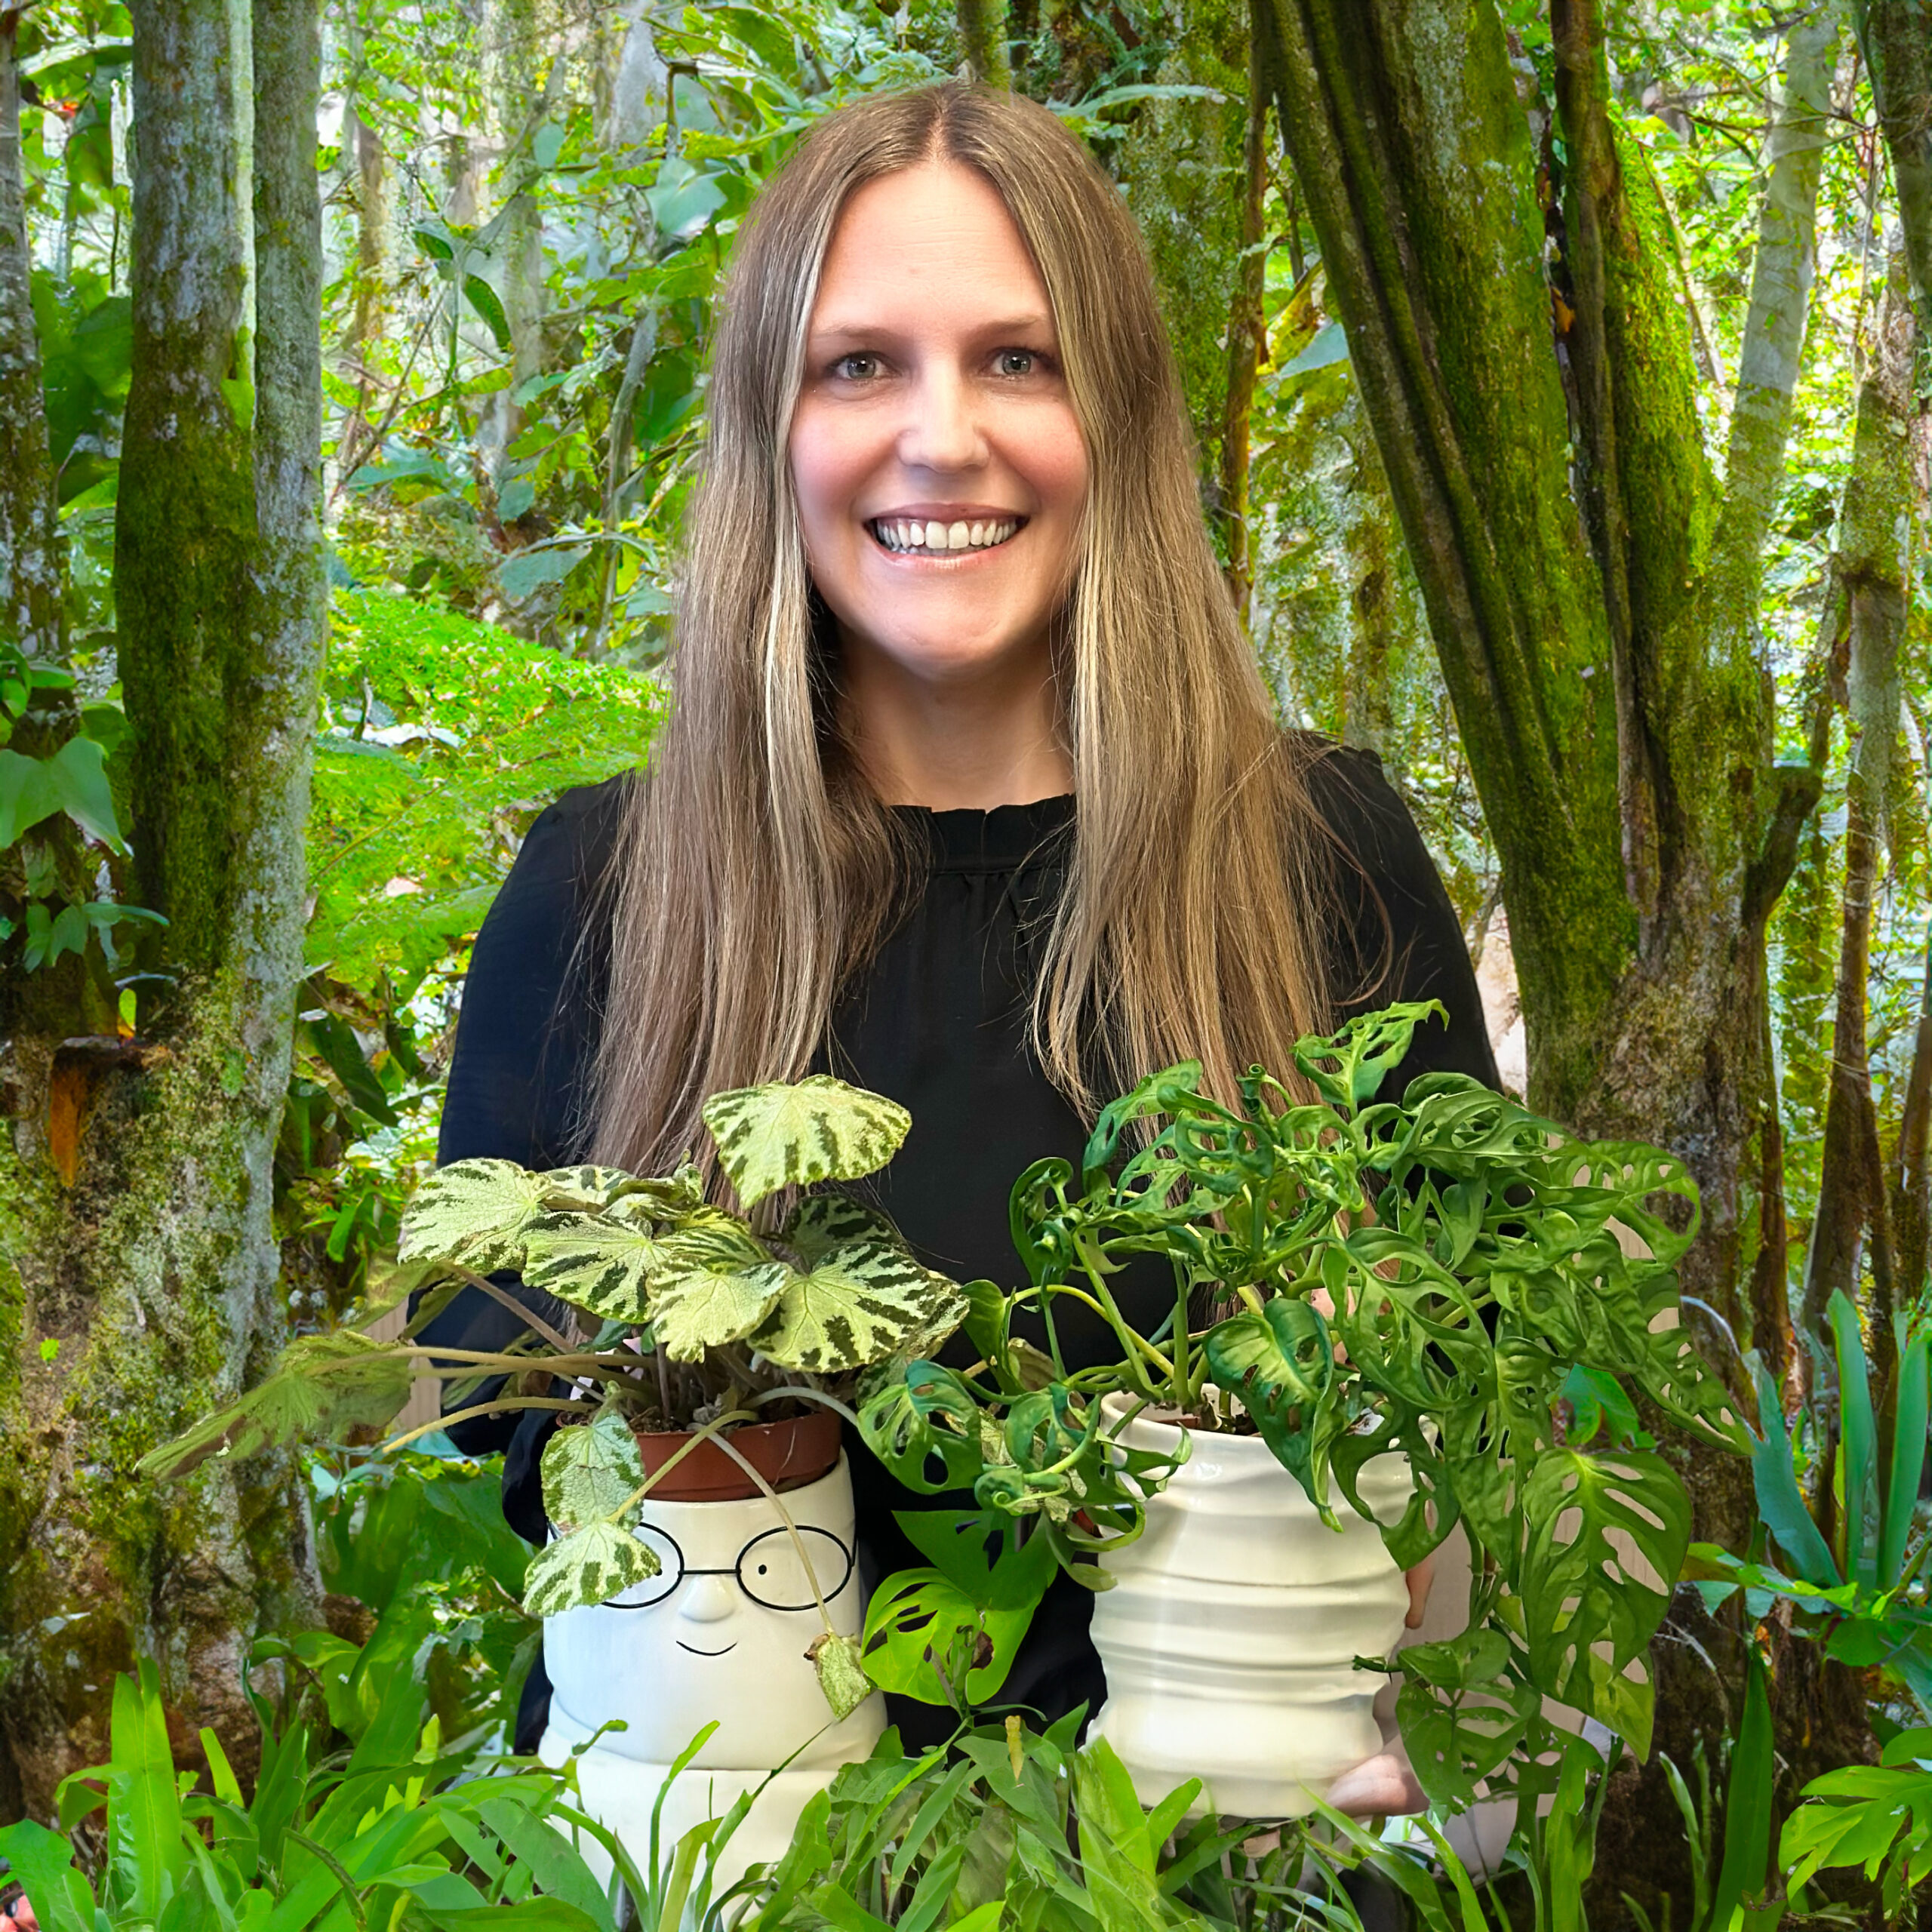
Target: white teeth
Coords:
[(934, 539)]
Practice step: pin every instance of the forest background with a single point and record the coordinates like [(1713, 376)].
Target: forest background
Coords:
[(1560, 377)]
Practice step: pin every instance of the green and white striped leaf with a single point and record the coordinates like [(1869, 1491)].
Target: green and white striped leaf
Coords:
[(585, 1568), (587, 1189), (713, 1284), (864, 1297), (796, 1134), (590, 1471), (593, 1262), (475, 1212)]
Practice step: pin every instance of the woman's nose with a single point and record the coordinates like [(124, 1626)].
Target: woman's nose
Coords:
[(941, 430), (708, 1599)]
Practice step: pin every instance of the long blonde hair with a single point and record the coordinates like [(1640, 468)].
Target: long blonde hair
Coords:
[(755, 873)]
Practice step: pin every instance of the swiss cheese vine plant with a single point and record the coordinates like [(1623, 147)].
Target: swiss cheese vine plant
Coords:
[(666, 1313), (1352, 1277)]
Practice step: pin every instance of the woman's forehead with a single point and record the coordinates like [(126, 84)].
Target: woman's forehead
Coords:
[(934, 240)]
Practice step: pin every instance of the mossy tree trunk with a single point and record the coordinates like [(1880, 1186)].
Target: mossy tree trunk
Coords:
[(982, 42), (1593, 596), (29, 562), (136, 1251)]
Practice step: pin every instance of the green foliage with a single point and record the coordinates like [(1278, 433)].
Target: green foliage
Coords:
[(793, 1315), (1423, 1277), (344, 1839), (1876, 1817), (1863, 1594), (437, 730)]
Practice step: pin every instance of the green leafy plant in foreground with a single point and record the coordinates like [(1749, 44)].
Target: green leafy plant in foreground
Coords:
[(687, 1319), (1423, 1277), (1862, 1592), (341, 1841)]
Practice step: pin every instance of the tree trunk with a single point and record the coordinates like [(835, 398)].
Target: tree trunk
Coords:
[(513, 61), (982, 43), (1595, 624), (138, 1177), (1186, 169), (1896, 36), (1872, 564), (1247, 339), (29, 558)]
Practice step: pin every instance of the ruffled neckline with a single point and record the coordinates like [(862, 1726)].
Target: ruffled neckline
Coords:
[(998, 840)]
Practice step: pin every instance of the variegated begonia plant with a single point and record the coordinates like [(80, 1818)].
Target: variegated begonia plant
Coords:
[(687, 1318)]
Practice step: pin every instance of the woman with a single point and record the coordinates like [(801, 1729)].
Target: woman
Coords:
[(972, 794)]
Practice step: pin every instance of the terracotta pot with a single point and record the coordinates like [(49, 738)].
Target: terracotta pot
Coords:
[(1229, 1635), (788, 1455)]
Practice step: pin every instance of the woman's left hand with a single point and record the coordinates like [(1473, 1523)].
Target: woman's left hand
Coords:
[(1384, 1785)]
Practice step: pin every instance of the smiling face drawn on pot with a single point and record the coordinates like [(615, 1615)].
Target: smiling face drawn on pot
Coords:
[(720, 1633)]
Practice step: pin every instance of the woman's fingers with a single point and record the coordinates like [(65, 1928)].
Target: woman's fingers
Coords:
[(1324, 1305), (1382, 1787), (1419, 1580)]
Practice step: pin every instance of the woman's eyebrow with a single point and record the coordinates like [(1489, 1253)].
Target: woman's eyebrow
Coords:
[(827, 332)]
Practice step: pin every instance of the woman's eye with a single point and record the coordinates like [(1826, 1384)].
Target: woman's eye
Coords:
[(861, 366), (1017, 362)]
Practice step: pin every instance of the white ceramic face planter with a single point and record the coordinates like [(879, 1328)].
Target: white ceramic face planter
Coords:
[(720, 1634)]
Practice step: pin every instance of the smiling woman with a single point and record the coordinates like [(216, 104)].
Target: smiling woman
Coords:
[(941, 477), (971, 794)]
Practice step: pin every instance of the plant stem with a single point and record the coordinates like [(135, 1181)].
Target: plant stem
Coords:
[(805, 1395), (791, 1530), (510, 1302), (488, 1409)]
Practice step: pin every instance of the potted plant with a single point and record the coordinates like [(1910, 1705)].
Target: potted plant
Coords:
[(1390, 1305), (702, 1511)]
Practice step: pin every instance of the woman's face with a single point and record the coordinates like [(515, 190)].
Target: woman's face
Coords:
[(939, 469)]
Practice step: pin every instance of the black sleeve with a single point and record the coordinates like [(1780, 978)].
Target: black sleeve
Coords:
[(524, 1038), (1396, 935)]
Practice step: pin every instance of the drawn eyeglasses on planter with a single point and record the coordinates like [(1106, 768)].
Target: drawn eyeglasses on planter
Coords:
[(769, 1570)]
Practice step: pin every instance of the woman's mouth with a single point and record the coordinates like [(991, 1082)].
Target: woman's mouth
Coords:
[(915, 536)]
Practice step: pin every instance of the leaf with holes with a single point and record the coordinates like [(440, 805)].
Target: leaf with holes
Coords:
[(590, 1472), (796, 1135), (1589, 1610), (587, 1566), (474, 1212), (863, 1300), (599, 1265)]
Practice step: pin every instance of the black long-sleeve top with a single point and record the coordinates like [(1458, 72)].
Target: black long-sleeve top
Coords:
[(937, 1021)]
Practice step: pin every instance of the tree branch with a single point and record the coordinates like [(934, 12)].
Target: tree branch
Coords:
[(1773, 337)]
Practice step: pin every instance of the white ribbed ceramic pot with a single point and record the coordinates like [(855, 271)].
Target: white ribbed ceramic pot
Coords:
[(1229, 1634), (707, 1649)]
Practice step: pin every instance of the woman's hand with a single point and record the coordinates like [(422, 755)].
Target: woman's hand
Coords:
[(1384, 1785)]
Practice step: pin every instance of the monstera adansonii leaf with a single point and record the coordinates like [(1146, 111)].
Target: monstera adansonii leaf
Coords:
[(799, 1134), (863, 1295), (1588, 1517)]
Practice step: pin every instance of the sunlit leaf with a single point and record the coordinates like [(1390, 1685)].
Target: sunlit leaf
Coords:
[(795, 1135)]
